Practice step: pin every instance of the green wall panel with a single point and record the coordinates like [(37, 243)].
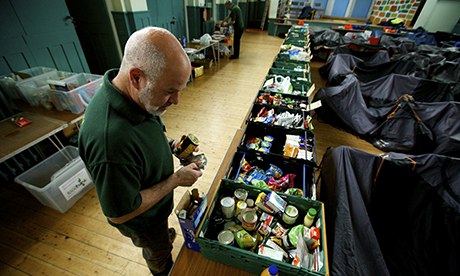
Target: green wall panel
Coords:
[(38, 34), (127, 23), (194, 22)]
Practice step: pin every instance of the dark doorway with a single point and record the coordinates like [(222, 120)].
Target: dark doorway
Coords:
[(94, 29)]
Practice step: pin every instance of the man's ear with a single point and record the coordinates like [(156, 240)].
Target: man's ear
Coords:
[(135, 77)]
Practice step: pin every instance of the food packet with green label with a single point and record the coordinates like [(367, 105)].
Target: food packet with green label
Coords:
[(244, 239)]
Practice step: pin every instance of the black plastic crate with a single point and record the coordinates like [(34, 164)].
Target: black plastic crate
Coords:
[(279, 140), (304, 173), (289, 101), (256, 108)]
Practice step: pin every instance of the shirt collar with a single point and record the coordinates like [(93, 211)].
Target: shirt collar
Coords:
[(120, 103)]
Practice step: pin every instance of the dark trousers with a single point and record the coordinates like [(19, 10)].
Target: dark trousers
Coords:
[(236, 42), (156, 247)]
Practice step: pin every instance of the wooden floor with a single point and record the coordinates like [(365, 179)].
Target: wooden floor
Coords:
[(36, 240)]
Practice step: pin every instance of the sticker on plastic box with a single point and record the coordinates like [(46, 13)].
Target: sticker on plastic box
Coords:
[(74, 185)]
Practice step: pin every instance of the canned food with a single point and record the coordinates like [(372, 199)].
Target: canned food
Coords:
[(187, 146), (241, 194), (225, 237), (249, 220), (228, 207), (240, 207)]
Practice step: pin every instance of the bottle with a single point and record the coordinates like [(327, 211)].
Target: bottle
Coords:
[(270, 271), (308, 220), (184, 42)]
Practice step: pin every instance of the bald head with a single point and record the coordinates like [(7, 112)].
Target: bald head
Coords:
[(154, 69), (151, 49)]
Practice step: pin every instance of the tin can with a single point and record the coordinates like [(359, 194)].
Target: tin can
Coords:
[(225, 237), (187, 146), (240, 207), (241, 194), (228, 207), (249, 220)]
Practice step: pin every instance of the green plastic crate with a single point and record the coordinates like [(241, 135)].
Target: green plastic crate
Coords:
[(252, 262), (285, 59), (286, 72), (290, 65)]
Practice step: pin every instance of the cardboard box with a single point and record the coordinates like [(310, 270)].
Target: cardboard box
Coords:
[(198, 72), (189, 224)]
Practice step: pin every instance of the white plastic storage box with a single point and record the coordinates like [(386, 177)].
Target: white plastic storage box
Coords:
[(81, 89), (35, 89), (58, 181), (8, 82)]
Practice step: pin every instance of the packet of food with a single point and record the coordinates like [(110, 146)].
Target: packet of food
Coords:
[(200, 160), (244, 239)]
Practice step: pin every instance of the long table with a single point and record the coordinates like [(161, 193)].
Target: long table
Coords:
[(45, 125), (194, 48)]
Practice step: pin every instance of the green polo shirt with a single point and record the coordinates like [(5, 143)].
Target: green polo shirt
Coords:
[(235, 15), (125, 150)]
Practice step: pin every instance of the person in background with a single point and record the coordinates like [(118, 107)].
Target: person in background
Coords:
[(123, 143), (236, 20)]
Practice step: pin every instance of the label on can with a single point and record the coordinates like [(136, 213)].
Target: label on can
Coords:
[(249, 220), (187, 146)]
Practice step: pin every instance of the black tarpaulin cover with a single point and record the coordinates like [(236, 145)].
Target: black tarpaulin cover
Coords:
[(403, 126), (390, 88), (338, 66), (397, 215)]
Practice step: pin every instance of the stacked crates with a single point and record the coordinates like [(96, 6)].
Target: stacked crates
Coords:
[(48, 87), (278, 136)]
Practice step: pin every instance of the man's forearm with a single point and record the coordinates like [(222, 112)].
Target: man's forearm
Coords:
[(150, 197)]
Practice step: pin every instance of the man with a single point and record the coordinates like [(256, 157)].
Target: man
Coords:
[(236, 20), (123, 145)]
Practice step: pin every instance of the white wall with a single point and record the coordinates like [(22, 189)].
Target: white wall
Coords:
[(273, 9), (439, 15)]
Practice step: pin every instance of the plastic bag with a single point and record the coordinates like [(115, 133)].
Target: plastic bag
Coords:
[(205, 40)]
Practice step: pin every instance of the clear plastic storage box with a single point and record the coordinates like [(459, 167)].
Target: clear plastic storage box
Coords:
[(82, 88), (58, 181), (35, 89), (8, 82)]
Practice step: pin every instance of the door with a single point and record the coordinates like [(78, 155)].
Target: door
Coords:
[(169, 15), (361, 8), (94, 28), (38, 33)]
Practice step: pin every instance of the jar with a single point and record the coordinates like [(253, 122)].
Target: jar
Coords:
[(290, 214), (309, 217)]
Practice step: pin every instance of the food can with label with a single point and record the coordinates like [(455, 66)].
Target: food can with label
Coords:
[(187, 146)]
